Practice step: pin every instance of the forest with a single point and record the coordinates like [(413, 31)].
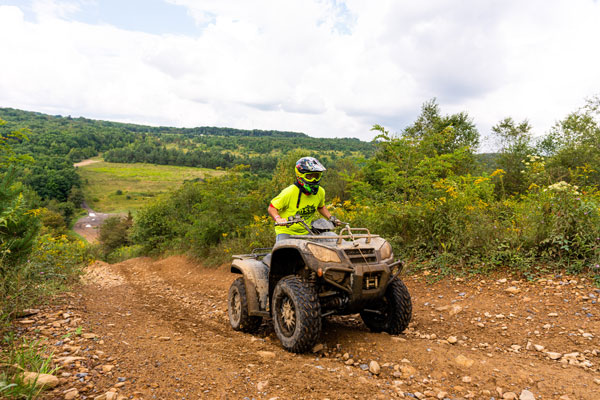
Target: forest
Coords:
[(56, 142), (533, 207), (530, 208)]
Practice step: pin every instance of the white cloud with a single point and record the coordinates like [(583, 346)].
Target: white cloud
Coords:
[(324, 67)]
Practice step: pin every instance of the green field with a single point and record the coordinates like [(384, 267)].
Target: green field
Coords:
[(137, 183)]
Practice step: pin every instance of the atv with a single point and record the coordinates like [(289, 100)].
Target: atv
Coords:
[(305, 278)]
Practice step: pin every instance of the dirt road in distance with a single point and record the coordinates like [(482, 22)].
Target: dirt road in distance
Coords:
[(89, 225)]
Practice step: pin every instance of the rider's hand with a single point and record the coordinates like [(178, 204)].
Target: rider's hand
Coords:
[(280, 220), (335, 221)]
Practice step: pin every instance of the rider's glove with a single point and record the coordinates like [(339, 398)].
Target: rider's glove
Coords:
[(335, 221)]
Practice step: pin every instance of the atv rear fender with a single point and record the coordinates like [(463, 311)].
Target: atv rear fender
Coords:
[(256, 279)]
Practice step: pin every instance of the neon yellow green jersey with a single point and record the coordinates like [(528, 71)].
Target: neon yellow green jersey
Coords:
[(286, 202)]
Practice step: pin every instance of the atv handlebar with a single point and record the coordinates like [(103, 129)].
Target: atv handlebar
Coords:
[(291, 220), (296, 219)]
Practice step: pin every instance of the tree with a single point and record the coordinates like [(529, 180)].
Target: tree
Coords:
[(516, 147), (18, 223), (114, 233), (574, 143), (433, 147), (451, 132)]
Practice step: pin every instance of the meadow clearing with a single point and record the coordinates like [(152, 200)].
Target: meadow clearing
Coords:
[(119, 188)]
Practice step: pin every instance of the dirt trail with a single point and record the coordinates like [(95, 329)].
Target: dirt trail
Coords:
[(165, 325), (85, 162)]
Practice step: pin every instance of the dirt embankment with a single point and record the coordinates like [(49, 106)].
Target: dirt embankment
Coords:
[(162, 328)]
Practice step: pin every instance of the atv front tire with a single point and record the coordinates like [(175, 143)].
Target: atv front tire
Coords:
[(392, 313), (296, 313), (237, 308)]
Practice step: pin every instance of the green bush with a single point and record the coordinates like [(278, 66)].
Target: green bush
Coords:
[(114, 233), (423, 192), (18, 222), (124, 253), (53, 263), (200, 215)]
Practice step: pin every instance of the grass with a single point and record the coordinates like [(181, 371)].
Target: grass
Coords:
[(18, 356), (119, 188)]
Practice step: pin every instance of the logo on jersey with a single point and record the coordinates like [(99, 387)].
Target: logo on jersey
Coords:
[(307, 211)]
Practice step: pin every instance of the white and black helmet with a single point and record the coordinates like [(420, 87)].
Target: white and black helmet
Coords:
[(309, 172)]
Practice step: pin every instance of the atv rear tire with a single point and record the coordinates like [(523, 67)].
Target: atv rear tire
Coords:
[(393, 311), (296, 314), (237, 308)]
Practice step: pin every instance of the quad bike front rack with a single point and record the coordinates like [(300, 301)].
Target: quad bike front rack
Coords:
[(349, 235)]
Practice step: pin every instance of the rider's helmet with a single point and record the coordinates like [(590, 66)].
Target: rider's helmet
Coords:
[(308, 174)]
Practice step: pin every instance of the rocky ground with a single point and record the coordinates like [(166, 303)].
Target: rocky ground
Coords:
[(146, 329)]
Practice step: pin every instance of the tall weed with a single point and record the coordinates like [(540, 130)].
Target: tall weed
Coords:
[(53, 263), (18, 356)]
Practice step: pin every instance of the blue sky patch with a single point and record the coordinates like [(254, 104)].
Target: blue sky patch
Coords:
[(150, 16)]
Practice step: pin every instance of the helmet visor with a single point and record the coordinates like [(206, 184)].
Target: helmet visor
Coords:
[(312, 176)]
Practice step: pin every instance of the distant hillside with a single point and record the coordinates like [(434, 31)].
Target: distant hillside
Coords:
[(56, 142), (38, 120)]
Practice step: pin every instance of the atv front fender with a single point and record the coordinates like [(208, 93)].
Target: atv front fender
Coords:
[(256, 279)]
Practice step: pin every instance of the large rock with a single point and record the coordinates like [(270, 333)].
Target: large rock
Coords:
[(267, 355), (68, 360), (526, 395), (41, 380), (512, 290), (464, 361), (89, 335), (374, 367), (455, 309), (407, 371), (107, 368), (553, 355)]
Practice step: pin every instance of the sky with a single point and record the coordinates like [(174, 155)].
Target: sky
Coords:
[(328, 68)]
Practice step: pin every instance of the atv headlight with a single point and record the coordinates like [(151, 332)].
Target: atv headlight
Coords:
[(323, 254), (385, 251)]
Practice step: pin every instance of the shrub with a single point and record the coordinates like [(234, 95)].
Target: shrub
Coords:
[(52, 222), (53, 263), (200, 215), (124, 253), (114, 233), (18, 222)]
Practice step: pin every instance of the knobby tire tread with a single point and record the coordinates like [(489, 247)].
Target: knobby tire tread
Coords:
[(248, 324), (307, 303), (404, 311), (401, 310)]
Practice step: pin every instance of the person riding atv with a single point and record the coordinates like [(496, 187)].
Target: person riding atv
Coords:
[(305, 197), (312, 272)]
